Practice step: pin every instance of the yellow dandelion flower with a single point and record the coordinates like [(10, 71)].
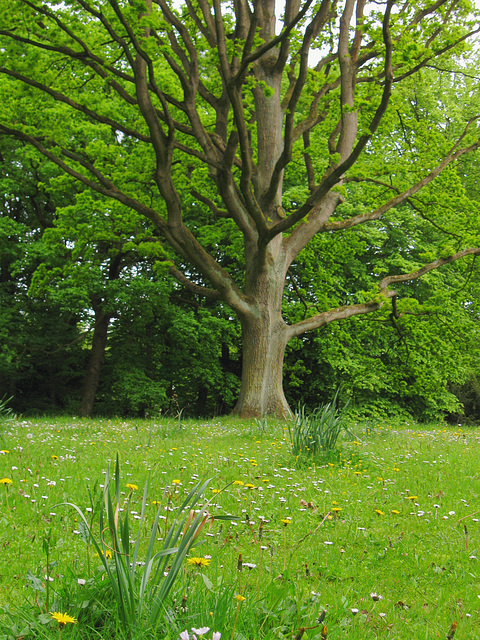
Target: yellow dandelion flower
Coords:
[(216, 490), (156, 502), (286, 521), (6, 481), (395, 511), (4, 451), (336, 509), (239, 483), (108, 554), (379, 513), (54, 457), (412, 497), (249, 485), (176, 481), (240, 598), (63, 618), (198, 562), (132, 487)]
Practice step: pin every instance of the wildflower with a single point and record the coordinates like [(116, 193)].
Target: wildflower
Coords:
[(354, 611), (378, 512), (63, 618), (395, 511), (336, 509), (376, 596), (54, 457), (6, 481), (238, 483), (412, 497), (198, 562), (108, 554), (132, 487), (200, 632), (215, 490), (286, 521), (81, 582), (175, 481), (4, 451), (249, 485), (240, 598)]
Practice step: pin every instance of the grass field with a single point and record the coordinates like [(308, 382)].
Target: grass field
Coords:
[(381, 541)]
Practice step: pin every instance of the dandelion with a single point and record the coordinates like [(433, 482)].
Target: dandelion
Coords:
[(4, 451), (6, 481), (286, 521), (395, 511), (412, 497), (132, 487), (249, 485), (238, 483), (198, 562), (63, 619), (379, 512), (240, 598), (54, 457), (175, 481)]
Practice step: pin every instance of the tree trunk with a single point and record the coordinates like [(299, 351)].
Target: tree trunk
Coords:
[(95, 363), (264, 339)]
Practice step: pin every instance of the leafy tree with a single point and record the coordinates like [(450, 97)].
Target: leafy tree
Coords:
[(213, 126), (40, 355)]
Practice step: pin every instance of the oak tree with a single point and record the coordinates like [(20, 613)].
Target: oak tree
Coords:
[(261, 124)]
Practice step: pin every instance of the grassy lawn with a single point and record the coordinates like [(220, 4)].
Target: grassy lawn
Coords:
[(382, 541)]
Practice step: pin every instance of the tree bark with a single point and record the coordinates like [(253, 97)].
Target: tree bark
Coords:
[(264, 339), (95, 363)]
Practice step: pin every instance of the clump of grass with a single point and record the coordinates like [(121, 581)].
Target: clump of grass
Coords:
[(315, 434), (6, 412), (141, 583)]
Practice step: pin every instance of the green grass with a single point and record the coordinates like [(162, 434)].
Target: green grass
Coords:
[(423, 561)]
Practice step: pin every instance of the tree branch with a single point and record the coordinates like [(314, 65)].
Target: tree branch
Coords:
[(212, 294), (377, 213)]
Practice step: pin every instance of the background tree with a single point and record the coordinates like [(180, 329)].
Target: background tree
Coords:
[(158, 130)]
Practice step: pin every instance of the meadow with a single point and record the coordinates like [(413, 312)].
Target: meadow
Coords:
[(380, 540)]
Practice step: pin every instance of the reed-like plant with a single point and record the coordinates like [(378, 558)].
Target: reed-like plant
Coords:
[(6, 412), (142, 579), (317, 433)]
